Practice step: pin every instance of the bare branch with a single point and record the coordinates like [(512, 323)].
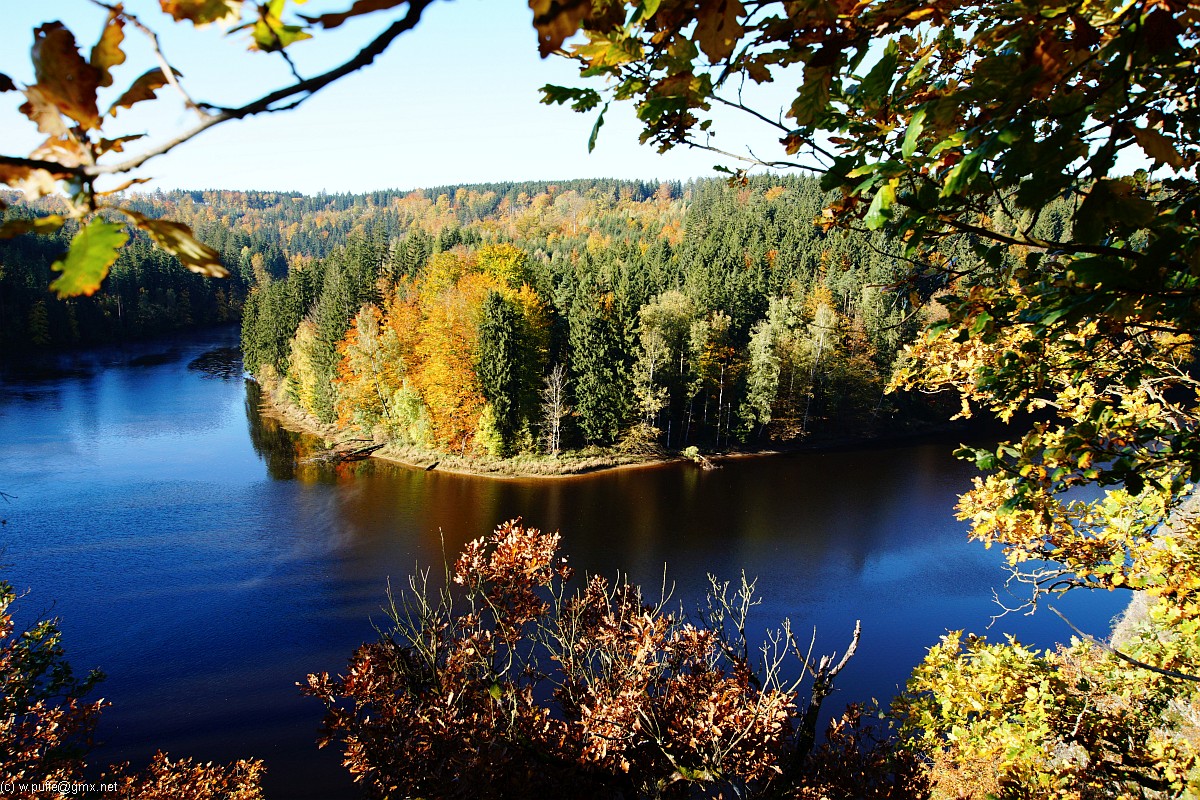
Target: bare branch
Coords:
[(1044, 244), (751, 159), (297, 93), (1170, 673)]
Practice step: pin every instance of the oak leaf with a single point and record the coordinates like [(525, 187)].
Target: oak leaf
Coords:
[(1157, 147), (202, 12), (18, 227), (122, 187), (718, 28), (335, 19), (65, 151), (63, 76), (93, 250), (107, 53), (556, 21), (141, 89), (270, 34), (43, 112), (116, 145), (177, 239), (34, 183)]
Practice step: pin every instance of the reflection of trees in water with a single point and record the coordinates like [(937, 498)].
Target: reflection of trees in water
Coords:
[(224, 363), (279, 448), (287, 454)]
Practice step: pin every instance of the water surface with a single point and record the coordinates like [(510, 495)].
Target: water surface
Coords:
[(167, 524)]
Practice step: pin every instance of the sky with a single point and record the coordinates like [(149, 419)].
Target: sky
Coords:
[(454, 101)]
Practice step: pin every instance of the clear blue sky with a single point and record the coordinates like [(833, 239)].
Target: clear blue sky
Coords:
[(455, 101)]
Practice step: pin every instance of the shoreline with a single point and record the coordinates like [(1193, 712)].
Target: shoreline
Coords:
[(579, 465)]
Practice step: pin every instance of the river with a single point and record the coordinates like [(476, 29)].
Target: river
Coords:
[(153, 509)]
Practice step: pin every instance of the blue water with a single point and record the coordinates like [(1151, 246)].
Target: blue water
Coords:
[(164, 521)]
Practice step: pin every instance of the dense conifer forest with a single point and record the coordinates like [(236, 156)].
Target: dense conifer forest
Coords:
[(533, 317)]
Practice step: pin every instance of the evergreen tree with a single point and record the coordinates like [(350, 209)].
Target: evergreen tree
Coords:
[(600, 368), (499, 366)]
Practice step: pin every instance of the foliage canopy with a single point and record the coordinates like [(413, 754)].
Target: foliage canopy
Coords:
[(934, 121)]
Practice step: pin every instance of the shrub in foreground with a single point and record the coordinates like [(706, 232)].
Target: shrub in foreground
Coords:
[(503, 683), (46, 728)]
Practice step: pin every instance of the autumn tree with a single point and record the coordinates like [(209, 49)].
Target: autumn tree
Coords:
[(367, 378), (966, 127), (503, 682)]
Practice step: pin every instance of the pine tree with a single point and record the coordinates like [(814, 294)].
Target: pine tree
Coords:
[(39, 324)]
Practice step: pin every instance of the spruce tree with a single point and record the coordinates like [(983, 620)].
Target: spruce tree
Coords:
[(600, 368), (499, 367)]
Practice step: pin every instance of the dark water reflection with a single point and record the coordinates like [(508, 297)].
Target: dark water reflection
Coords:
[(197, 559)]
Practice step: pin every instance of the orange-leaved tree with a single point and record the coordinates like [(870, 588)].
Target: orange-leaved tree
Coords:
[(503, 683)]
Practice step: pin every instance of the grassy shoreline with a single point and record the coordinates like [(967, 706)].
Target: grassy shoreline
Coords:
[(570, 464)]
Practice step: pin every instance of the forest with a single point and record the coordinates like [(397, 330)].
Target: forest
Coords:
[(533, 318), (520, 318)]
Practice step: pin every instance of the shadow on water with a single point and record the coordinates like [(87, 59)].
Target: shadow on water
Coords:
[(155, 359), (224, 363)]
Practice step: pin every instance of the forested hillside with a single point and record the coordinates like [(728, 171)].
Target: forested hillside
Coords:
[(501, 319), (146, 292), (532, 317)]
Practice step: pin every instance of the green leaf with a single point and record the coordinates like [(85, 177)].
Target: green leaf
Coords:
[(962, 173), (494, 691), (913, 134), (93, 250), (985, 461), (596, 129), (881, 207), (813, 97), (580, 99), (878, 82), (270, 34), (642, 12)]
